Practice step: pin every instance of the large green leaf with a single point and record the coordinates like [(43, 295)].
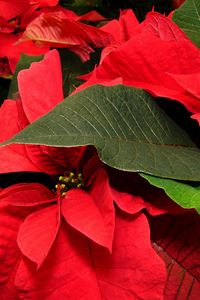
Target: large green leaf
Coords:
[(188, 18), (183, 194), (24, 63), (126, 126)]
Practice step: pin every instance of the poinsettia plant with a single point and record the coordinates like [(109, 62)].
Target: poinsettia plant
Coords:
[(100, 159)]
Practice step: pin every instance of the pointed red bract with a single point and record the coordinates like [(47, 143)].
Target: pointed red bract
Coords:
[(10, 220), (81, 212), (137, 62), (196, 117), (28, 11), (132, 193), (77, 268), (55, 29), (162, 27), (91, 16), (40, 96), (13, 50), (25, 195), (13, 157), (11, 8), (44, 2), (38, 232)]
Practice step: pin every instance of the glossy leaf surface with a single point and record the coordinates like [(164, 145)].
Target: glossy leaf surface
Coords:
[(125, 125), (188, 18)]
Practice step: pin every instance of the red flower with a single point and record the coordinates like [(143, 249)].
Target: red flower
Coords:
[(69, 254), (140, 60)]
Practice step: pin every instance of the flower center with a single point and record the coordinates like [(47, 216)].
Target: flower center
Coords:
[(69, 181)]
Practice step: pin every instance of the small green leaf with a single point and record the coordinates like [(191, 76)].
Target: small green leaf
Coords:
[(126, 126), (24, 63), (183, 194), (187, 16)]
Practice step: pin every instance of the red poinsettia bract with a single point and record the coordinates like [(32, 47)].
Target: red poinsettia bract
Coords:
[(40, 89), (58, 29), (138, 59), (32, 27), (15, 16), (67, 238)]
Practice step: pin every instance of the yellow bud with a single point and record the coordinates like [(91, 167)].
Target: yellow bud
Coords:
[(80, 176)]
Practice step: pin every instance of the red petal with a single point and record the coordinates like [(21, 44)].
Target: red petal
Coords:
[(40, 86), (156, 73), (12, 161), (113, 27), (43, 160), (38, 232), (55, 29), (44, 2), (121, 30), (76, 269), (190, 82), (176, 239), (12, 51), (54, 160), (10, 220), (129, 23), (91, 16), (162, 27), (83, 51), (134, 270), (13, 157), (127, 202), (26, 194), (196, 117), (67, 158), (136, 194), (12, 8), (8, 120), (94, 219)]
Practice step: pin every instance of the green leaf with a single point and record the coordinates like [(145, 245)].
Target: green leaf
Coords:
[(24, 63), (73, 67), (183, 194), (188, 18), (126, 126)]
